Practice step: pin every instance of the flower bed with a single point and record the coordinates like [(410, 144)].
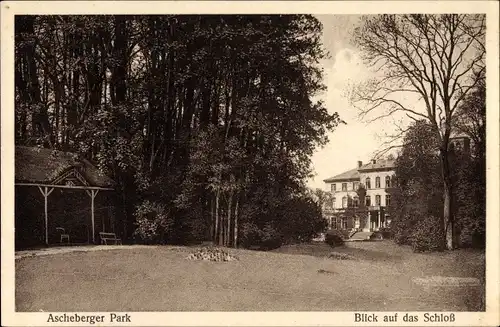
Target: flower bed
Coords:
[(211, 254)]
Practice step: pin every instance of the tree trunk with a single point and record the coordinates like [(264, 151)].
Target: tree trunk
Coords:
[(235, 242), (212, 219), (229, 208), (447, 222), (216, 229)]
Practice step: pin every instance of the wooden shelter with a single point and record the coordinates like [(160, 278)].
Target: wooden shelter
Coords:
[(48, 170)]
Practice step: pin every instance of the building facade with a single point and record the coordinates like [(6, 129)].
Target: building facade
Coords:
[(360, 197)]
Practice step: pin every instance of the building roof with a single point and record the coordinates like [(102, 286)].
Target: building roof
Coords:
[(352, 174), (380, 164), (41, 165)]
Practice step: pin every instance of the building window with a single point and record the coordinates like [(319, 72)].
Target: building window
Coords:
[(377, 182), (355, 202), (387, 182), (387, 200), (368, 183), (333, 221), (333, 187), (367, 201), (355, 186), (333, 202), (344, 223), (344, 202), (377, 200), (344, 186)]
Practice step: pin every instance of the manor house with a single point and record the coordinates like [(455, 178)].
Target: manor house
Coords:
[(360, 197)]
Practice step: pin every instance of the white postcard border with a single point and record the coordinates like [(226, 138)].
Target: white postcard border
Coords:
[(11, 8)]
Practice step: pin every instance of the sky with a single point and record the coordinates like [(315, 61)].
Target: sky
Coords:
[(356, 140)]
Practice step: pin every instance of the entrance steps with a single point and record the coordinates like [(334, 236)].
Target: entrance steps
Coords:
[(361, 236)]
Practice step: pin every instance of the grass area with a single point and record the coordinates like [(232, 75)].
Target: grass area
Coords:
[(292, 278)]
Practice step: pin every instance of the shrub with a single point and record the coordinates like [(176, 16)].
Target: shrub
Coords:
[(267, 238), (427, 235), (403, 226), (402, 238), (334, 238), (471, 233), (376, 236), (152, 221), (299, 220), (250, 235), (386, 233), (270, 238)]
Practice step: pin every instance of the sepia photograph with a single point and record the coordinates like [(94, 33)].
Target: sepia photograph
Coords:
[(251, 162)]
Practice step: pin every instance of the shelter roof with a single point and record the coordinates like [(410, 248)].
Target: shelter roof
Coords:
[(42, 165)]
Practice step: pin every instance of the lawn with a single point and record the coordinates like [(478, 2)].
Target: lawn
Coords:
[(292, 278)]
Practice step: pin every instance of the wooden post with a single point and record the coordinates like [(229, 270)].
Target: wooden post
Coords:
[(45, 196), (46, 192), (93, 194)]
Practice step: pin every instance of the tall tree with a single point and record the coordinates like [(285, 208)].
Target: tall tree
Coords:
[(425, 65), (207, 122)]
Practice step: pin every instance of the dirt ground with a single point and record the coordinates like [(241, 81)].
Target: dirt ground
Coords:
[(378, 276)]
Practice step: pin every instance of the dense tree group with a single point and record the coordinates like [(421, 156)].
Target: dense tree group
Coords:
[(206, 123), (417, 202), (426, 65)]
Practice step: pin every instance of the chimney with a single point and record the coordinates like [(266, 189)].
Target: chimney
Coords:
[(360, 163)]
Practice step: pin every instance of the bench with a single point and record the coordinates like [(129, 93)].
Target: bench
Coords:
[(105, 237), (63, 235)]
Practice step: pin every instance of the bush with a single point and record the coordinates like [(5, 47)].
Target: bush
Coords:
[(300, 220), (153, 222), (334, 238), (427, 235), (249, 235), (270, 238), (386, 233), (471, 232), (267, 238)]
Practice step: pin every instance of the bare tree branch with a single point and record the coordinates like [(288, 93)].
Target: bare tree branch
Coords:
[(430, 55), (439, 57)]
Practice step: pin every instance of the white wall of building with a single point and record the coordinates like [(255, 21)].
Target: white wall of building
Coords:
[(373, 191), (339, 193)]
